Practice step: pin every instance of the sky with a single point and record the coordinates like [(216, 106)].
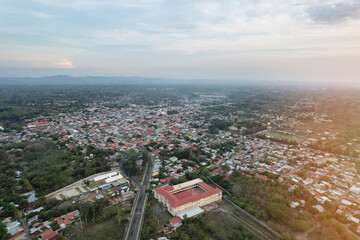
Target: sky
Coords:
[(279, 40)]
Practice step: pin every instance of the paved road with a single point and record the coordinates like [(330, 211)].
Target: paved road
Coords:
[(136, 218)]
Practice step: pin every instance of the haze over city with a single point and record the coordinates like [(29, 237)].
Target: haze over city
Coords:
[(296, 40), (180, 120)]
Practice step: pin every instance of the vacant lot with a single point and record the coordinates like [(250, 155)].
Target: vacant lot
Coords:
[(281, 136), (106, 230)]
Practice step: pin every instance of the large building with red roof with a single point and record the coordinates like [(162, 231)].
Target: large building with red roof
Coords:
[(188, 195)]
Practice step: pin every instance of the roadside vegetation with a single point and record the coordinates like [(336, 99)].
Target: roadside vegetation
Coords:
[(270, 202)]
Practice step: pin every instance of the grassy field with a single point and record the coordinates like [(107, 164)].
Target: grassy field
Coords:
[(106, 230), (95, 185), (281, 136)]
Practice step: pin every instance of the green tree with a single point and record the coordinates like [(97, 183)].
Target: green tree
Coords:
[(226, 167), (120, 213), (286, 236), (276, 210), (301, 225)]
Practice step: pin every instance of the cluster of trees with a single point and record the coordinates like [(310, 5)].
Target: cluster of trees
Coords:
[(131, 167), (92, 212), (331, 229), (269, 201), (251, 127), (49, 168), (171, 112), (10, 187), (45, 168), (224, 147), (3, 232), (187, 177), (336, 147), (197, 156), (15, 119), (218, 124), (279, 140), (130, 164), (150, 219)]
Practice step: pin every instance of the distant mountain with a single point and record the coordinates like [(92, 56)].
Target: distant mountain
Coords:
[(134, 80), (97, 80)]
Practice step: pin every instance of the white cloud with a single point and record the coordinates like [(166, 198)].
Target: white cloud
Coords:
[(40, 15), (187, 34), (98, 3), (64, 63), (12, 10), (38, 56)]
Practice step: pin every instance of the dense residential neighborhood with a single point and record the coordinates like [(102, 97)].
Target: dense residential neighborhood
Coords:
[(186, 142)]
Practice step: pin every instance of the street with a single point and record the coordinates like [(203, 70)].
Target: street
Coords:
[(136, 216)]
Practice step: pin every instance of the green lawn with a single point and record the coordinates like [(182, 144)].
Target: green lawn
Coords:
[(93, 185), (281, 136)]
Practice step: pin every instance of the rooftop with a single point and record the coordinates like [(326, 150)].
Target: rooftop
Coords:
[(184, 197)]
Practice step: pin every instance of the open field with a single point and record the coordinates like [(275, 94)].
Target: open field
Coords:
[(93, 185), (281, 136), (225, 209), (106, 230)]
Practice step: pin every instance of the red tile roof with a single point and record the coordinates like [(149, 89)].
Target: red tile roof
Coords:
[(18, 236), (176, 202), (216, 171), (59, 220), (49, 235), (263, 177), (71, 215), (175, 220), (36, 225)]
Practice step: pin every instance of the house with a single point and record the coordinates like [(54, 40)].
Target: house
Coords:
[(12, 226), (175, 222), (19, 236), (66, 220), (216, 171), (49, 235)]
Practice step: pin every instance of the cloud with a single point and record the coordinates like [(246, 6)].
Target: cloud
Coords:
[(335, 12), (13, 10), (64, 63), (40, 15), (81, 4), (128, 37)]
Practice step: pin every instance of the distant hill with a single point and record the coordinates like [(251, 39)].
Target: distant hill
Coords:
[(97, 80), (134, 80)]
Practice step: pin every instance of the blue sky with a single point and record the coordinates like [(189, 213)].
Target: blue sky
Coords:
[(286, 40)]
